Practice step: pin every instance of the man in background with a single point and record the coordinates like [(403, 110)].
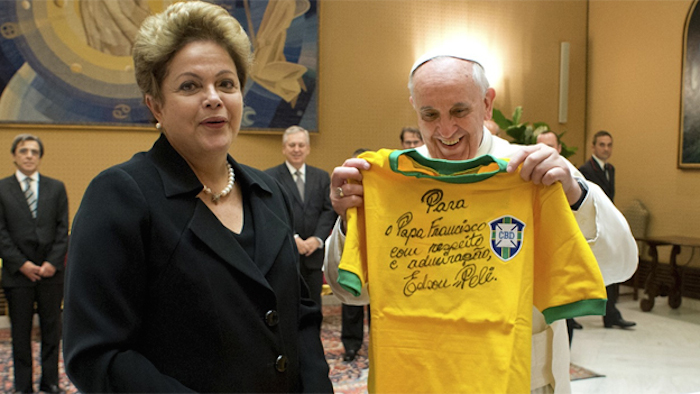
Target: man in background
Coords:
[(308, 189), (33, 246), (602, 173), (410, 138), (551, 139)]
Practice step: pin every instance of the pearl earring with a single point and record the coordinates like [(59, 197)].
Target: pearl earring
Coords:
[(158, 126)]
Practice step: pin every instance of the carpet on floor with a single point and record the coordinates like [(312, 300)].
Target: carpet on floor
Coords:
[(347, 377), (577, 373), (7, 368)]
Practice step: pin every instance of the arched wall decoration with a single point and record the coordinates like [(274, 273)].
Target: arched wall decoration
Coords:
[(58, 68), (689, 142)]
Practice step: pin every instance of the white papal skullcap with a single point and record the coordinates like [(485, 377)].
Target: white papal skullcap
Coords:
[(457, 52)]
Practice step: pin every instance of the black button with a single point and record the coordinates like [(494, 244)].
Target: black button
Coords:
[(281, 363), (272, 318)]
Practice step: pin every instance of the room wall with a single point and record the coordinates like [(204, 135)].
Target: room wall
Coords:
[(635, 69), (366, 51)]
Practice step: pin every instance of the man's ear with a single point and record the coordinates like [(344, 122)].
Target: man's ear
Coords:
[(489, 97)]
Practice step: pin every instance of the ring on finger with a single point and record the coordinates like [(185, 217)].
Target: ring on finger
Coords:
[(339, 192)]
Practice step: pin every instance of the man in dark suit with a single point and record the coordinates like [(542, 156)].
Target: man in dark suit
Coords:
[(33, 245), (309, 189), (599, 171)]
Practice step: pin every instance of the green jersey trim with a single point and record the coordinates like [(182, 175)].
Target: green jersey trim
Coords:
[(576, 309), (450, 171), (350, 282)]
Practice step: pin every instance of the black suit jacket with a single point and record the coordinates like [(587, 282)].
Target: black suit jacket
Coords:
[(594, 173), (161, 297), (315, 215), (23, 237)]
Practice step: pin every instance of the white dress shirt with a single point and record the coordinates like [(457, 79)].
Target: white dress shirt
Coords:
[(302, 171), (35, 181)]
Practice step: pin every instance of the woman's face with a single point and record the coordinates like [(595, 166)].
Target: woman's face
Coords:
[(200, 112)]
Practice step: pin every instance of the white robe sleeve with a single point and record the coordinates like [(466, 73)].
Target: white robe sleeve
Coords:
[(608, 234), (334, 251), (601, 223)]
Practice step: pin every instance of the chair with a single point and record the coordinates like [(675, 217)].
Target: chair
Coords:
[(637, 216)]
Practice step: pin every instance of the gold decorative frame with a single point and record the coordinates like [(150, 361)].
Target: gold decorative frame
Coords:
[(689, 139)]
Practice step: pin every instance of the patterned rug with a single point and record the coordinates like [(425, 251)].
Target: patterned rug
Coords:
[(578, 373), (7, 368), (347, 377)]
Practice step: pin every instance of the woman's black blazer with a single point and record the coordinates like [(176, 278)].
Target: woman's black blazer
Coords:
[(160, 297)]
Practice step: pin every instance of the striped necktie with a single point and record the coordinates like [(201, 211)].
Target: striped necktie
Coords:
[(300, 184), (30, 196)]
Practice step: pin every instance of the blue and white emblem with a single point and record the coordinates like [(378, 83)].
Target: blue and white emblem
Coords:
[(506, 237)]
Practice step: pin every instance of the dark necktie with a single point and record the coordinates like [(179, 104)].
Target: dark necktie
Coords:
[(607, 172), (29, 195), (300, 184)]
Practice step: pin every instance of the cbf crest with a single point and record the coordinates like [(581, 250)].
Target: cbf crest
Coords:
[(506, 237)]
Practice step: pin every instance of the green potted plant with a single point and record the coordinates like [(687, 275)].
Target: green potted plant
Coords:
[(526, 133)]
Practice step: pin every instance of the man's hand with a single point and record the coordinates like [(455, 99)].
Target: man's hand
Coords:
[(307, 246), (47, 270), (301, 245), (312, 244), (346, 195), (543, 165), (31, 271)]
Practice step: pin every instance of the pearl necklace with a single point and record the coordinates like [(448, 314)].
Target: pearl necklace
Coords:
[(215, 197)]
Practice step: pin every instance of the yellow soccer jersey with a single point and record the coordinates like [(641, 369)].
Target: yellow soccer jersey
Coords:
[(456, 254)]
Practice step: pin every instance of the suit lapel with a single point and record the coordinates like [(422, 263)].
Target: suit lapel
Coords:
[(600, 173), (219, 239), (44, 189), (180, 180), (270, 230), (611, 171), (290, 184), (310, 181), (18, 193)]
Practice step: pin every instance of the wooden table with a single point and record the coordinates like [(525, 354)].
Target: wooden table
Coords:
[(651, 287)]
